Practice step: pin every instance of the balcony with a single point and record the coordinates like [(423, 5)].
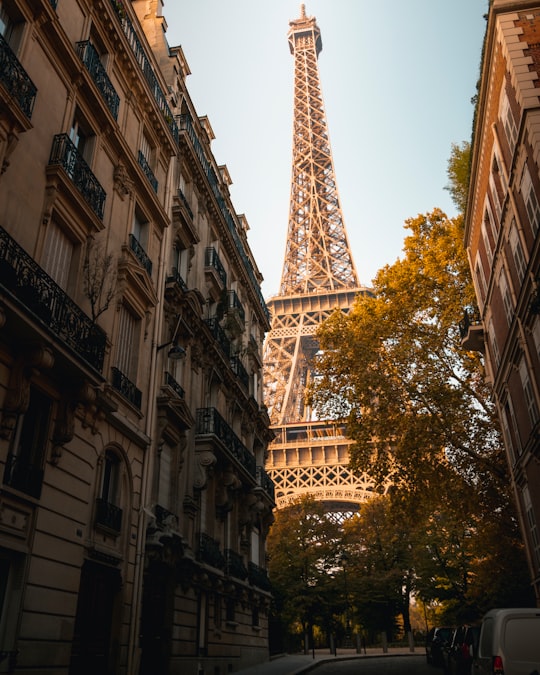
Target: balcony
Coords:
[(235, 565), (126, 387), (44, 299), (147, 170), (219, 336), (236, 315), (210, 422), (65, 154), (472, 333), (23, 476), (16, 80), (173, 384), (209, 552), (108, 516), (266, 483), (90, 57), (176, 278), (215, 273), (258, 577), (182, 199), (240, 372), (140, 254), (184, 221)]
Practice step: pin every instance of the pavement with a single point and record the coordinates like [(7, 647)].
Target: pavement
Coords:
[(294, 664)]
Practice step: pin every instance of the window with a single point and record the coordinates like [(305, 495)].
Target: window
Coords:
[(531, 522), (531, 200), (81, 137), (536, 334), (11, 25), (493, 344), (127, 345), (528, 391), (480, 279), (24, 466), (108, 511), (507, 433), (12, 566), (489, 246), (506, 297), (111, 477), (508, 121), (57, 254), (517, 251)]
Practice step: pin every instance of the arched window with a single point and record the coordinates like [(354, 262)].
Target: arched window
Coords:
[(108, 511)]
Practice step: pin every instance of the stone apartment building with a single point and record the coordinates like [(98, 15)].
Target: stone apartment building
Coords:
[(502, 238), (133, 501)]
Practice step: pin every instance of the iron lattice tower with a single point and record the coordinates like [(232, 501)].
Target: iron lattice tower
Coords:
[(309, 456)]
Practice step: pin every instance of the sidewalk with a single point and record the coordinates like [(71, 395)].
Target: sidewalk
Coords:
[(293, 664)]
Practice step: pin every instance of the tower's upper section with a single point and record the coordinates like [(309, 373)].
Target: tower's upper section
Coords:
[(317, 255)]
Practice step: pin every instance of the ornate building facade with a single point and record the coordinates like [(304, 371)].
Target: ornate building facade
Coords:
[(133, 500), (502, 239)]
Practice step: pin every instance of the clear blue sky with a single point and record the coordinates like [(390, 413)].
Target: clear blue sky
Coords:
[(397, 80)]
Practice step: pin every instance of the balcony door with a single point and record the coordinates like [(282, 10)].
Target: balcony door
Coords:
[(95, 622)]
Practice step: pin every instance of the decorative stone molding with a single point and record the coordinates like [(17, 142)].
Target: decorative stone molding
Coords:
[(64, 428), (204, 462), (36, 358)]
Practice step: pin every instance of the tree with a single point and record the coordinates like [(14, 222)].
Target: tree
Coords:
[(379, 562), (99, 278), (419, 412), (458, 174), (304, 549)]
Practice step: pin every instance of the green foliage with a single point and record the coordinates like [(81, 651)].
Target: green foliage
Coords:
[(420, 414), (304, 555), (458, 174)]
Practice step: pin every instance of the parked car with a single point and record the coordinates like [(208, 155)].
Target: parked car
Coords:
[(458, 653), (436, 639), (509, 643)]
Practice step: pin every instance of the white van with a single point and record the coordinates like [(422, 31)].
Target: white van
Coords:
[(509, 643)]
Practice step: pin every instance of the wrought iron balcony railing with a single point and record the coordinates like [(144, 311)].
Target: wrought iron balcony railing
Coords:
[(140, 253), (471, 331), (235, 565), (235, 304), (145, 65), (91, 60), (183, 199), (267, 484), (177, 278), (64, 153), (258, 576), (108, 515), (219, 336), (23, 476), (209, 421), (42, 296), (173, 384), (15, 79), (126, 387), (147, 169), (212, 259), (240, 372), (209, 552)]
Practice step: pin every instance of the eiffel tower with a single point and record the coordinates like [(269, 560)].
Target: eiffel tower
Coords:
[(309, 455)]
